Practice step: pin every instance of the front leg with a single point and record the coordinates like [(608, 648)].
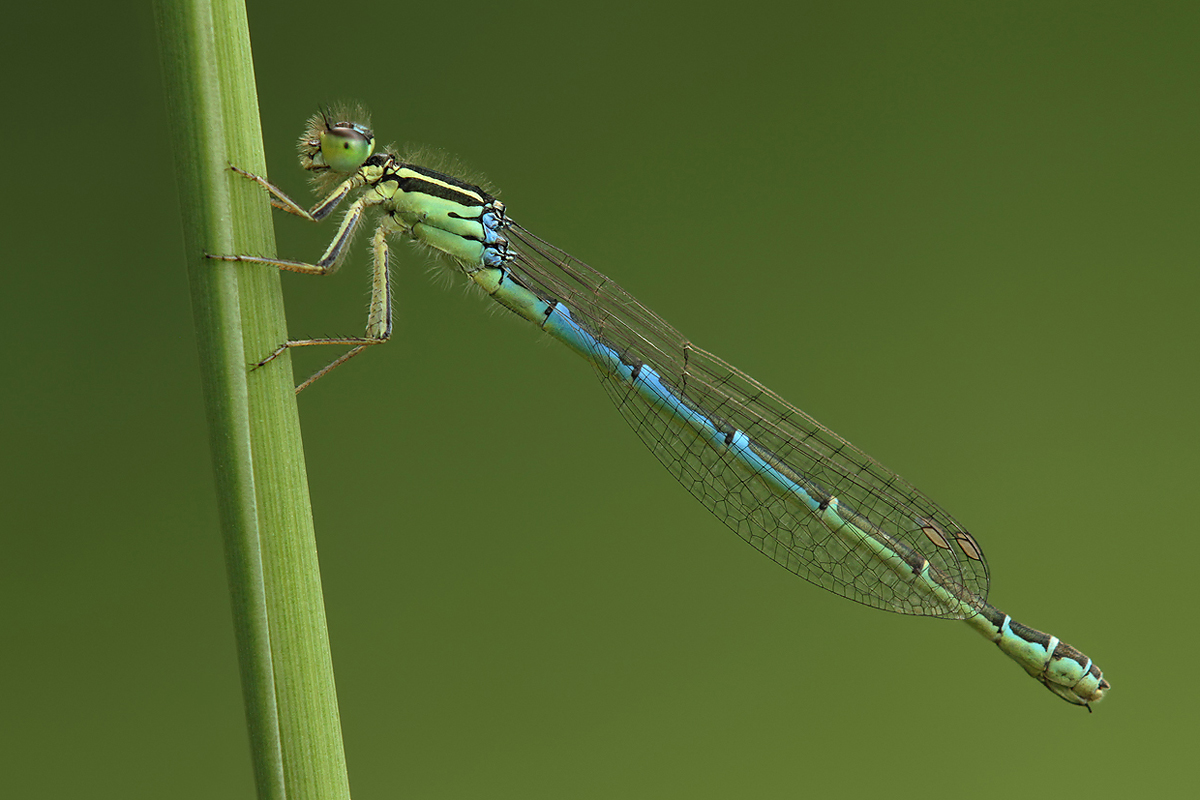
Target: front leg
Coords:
[(285, 203)]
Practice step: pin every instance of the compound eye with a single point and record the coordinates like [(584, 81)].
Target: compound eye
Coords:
[(346, 146)]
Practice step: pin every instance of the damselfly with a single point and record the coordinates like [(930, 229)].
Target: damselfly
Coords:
[(780, 480)]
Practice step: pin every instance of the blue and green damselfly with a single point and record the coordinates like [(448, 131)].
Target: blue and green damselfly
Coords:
[(780, 480)]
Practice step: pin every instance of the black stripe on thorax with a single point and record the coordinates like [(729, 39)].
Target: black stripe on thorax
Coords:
[(413, 178)]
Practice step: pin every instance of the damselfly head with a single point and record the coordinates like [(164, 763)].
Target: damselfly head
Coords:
[(334, 142)]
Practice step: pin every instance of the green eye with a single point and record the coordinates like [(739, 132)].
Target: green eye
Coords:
[(345, 147)]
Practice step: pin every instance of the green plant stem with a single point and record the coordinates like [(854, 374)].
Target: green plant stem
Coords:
[(262, 487)]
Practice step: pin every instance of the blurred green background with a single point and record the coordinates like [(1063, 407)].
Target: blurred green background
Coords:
[(965, 238)]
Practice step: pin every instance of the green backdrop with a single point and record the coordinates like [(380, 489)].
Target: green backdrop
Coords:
[(964, 238)]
